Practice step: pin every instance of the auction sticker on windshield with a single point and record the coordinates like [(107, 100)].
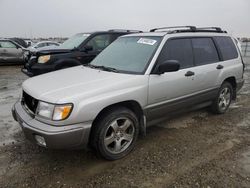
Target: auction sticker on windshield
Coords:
[(146, 41)]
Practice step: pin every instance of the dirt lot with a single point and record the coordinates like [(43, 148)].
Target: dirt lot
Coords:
[(196, 149)]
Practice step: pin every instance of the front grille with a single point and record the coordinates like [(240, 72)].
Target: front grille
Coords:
[(29, 102)]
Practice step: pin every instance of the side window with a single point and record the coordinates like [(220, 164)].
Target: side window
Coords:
[(99, 42), (7, 44), (43, 44), (204, 51), (52, 44), (227, 47), (177, 49)]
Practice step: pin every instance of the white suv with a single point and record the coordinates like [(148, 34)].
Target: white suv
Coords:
[(138, 80)]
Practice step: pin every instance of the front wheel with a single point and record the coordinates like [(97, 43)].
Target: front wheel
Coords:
[(223, 99), (115, 133)]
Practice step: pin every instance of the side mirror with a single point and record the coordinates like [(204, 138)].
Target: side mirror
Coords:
[(168, 66), (88, 48)]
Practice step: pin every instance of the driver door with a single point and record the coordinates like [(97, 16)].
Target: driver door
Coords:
[(168, 92), (98, 43)]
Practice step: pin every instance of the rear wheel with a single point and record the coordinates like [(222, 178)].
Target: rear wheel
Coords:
[(115, 133), (223, 100)]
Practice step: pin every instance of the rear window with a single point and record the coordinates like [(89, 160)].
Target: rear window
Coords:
[(226, 47), (204, 51)]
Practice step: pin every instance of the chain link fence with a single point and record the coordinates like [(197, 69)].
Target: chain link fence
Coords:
[(245, 48)]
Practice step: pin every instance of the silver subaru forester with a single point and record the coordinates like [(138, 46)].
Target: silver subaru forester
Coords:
[(137, 81)]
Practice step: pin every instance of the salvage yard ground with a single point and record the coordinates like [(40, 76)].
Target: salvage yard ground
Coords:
[(196, 149)]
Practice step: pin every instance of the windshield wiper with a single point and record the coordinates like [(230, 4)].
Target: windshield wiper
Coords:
[(110, 69)]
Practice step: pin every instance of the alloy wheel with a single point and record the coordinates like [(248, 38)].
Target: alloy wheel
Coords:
[(119, 135), (224, 99)]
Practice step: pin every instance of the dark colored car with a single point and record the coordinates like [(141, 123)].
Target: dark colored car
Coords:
[(80, 49)]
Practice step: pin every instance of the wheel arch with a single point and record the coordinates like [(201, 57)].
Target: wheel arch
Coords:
[(134, 106), (232, 81)]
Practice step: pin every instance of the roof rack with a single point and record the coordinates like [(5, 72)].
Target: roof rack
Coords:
[(174, 27), (125, 30), (215, 28), (183, 29), (211, 29)]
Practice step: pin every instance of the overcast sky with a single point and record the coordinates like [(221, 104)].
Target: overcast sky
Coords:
[(45, 18)]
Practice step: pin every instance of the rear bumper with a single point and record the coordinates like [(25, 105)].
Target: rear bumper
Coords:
[(56, 137)]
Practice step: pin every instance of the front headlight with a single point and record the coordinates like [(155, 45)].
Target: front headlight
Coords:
[(53, 112), (43, 59), (45, 110)]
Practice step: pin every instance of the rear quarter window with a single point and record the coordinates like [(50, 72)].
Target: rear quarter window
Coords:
[(227, 47)]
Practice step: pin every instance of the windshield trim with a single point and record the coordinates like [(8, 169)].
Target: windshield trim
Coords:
[(153, 54)]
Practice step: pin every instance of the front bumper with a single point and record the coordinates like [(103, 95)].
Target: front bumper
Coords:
[(32, 68), (28, 73), (56, 137)]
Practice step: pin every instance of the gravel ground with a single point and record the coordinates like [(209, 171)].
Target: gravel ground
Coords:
[(195, 149)]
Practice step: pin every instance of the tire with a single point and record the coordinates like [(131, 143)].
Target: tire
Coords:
[(223, 100), (115, 133)]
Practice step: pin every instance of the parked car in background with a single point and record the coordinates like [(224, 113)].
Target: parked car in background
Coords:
[(20, 41), (11, 52), (80, 49), (139, 80), (43, 44), (29, 42)]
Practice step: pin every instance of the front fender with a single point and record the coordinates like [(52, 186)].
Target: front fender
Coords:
[(88, 109)]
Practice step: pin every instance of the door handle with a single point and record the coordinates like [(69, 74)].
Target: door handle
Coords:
[(219, 67), (189, 73)]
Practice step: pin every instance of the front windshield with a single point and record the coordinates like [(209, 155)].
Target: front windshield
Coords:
[(74, 41), (128, 54)]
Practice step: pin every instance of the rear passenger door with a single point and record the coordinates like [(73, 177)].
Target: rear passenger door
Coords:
[(169, 91), (206, 60), (10, 52), (231, 64)]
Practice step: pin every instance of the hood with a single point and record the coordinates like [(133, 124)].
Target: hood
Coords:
[(53, 50), (65, 85)]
